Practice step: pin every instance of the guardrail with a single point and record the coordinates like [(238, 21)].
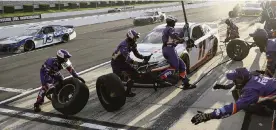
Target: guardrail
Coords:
[(13, 30)]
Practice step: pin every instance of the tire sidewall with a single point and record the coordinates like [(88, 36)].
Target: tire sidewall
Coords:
[(29, 42), (231, 46)]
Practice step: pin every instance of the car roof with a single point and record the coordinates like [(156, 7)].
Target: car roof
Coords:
[(41, 26), (177, 25)]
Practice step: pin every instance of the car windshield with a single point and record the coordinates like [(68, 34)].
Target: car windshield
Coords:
[(252, 5), (30, 32), (148, 14), (155, 36)]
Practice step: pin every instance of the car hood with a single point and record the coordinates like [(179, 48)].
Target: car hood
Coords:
[(146, 49), (252, 8), (13, 39)]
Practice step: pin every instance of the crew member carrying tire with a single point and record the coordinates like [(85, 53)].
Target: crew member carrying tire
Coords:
[(50, 75), (122, 63), (232, 30), (170, 40), (253, 88), (268, 46)]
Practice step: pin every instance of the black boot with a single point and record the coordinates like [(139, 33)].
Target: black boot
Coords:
[(188, 86), (129, 85), (37, 107)]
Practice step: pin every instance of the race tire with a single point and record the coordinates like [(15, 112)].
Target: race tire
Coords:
[(186, 60), (29, 46), (65, 38), (237, 49), (79, 98), (215, 47), (110, 92)]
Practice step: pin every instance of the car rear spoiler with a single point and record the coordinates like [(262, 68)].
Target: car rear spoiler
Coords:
[(69, 26)]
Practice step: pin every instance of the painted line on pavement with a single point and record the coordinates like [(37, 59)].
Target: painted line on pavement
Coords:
[(14, 90), (26, 93), (52, 119)]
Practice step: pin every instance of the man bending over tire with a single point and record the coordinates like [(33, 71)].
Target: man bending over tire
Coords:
[(49, 75), (122, 63), (170, 40), (268, 46), (253, 88), (232, 30)]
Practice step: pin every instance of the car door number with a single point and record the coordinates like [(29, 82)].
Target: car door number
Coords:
[(48, 39)]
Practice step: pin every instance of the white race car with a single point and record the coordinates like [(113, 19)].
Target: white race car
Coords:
[(37, 36), (205, 36)]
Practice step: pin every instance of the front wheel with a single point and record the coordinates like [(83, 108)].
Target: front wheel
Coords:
[(70, 98)]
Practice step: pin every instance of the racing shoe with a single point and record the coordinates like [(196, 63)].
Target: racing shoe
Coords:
[(130, 94), (187, 86), (37, 107)]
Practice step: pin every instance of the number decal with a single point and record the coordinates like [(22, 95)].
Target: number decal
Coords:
[(262, 81), (48, 38)]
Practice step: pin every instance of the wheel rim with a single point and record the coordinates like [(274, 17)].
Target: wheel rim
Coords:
[(66, 94), (237, 51), (106, 94), (29, 46)]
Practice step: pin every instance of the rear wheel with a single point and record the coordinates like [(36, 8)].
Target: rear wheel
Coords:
[(29, 46)]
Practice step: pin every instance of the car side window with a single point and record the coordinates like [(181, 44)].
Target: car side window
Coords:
[(197, 32), (206, 29), (48, 30)]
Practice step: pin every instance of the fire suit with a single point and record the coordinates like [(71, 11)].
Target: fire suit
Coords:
[(256, 90), (271, 57), (170, 39), (49, 75), (232, 32)]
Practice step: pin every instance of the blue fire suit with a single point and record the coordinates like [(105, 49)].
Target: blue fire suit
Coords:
[(49, 74), (255, 90), (271, 57), (170, 38)]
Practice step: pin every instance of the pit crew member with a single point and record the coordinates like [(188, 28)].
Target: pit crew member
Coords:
[(253, 87), (49, 75), (232, 30), (122, 64), (170, 40)]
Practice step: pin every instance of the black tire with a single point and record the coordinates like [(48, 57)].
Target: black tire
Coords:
[(111, 92), (65, 38), (79, 98), (29, 46), (215, 47), (237, 49), (185, 58)]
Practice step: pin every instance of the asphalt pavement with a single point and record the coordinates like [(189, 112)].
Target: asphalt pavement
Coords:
[(94, 44)]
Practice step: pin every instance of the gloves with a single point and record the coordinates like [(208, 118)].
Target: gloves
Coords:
[(200, 117), (81, 79), (226, 40), (260, 71), (147, 57), (219, 86)]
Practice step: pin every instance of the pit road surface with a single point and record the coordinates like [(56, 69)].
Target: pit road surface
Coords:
[(167, 108)]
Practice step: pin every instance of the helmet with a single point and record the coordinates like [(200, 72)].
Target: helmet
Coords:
[(260, 38), (133, 35), (228, 21), (240, 76), (170, 21), (63, 55)]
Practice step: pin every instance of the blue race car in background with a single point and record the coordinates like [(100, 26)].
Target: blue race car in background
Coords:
[(37, 36)]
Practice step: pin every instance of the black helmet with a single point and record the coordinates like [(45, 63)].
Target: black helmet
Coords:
[(260, 38), (170, 21), (228, 21)]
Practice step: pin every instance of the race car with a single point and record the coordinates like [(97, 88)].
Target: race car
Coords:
[(114, 10), (149, 17), (204, 35), (37, 36), (246, 9)]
